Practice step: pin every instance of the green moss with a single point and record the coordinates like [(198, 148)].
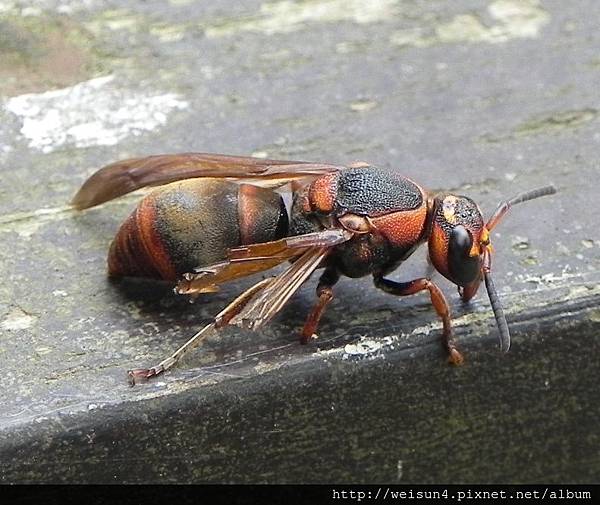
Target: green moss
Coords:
[(556, 122)]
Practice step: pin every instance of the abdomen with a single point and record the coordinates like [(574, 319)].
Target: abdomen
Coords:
[(192, 223)]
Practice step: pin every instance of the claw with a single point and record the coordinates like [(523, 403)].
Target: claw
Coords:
[(140, 375), (305, 339), (455, 357)]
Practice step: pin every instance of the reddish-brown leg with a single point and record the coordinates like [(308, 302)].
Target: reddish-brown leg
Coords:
[(325, 295), (438, 300), (222, 319)]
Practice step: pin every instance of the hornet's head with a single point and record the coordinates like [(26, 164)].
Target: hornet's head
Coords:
[(460, 249)]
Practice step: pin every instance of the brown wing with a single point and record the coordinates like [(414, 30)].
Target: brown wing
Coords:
[(261, 308), (250, 259), (122, 177)]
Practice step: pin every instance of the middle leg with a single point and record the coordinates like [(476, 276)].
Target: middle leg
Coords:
[(325, 295)]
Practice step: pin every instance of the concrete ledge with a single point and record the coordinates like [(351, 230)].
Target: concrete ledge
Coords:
[(480, 98), (393, 414)]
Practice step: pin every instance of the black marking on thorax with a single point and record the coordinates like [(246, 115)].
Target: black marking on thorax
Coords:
[(373, 191)]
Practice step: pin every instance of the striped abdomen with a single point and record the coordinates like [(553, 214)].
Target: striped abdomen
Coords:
[(193, 223)]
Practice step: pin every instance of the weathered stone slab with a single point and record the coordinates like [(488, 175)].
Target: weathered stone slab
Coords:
[(478, 97)]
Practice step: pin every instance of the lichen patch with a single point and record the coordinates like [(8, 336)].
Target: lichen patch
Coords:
[(287, 16), (513, 19)]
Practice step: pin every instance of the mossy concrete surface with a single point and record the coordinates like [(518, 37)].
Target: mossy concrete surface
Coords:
[(483, 98)]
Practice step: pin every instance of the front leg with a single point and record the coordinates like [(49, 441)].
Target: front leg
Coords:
[(437, 300)]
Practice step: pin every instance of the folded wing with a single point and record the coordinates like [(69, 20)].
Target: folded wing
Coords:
[(125, 176)]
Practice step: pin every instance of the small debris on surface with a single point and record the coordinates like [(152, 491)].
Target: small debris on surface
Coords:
[(520, 243)]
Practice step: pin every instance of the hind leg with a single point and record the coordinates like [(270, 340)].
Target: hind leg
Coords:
[(221, 319)]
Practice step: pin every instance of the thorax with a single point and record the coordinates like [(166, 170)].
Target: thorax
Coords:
[(388, 213)]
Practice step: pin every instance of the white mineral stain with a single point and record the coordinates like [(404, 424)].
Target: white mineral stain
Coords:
[(287, 16), (366, 346), (17, 320), (94, 112), (515, 19), (363, 105), (588, 243)]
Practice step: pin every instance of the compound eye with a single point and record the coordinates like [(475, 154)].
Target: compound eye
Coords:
[(463, 267), (460, 242)]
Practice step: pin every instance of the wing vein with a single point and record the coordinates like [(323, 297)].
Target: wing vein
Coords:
[(269, 301)]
